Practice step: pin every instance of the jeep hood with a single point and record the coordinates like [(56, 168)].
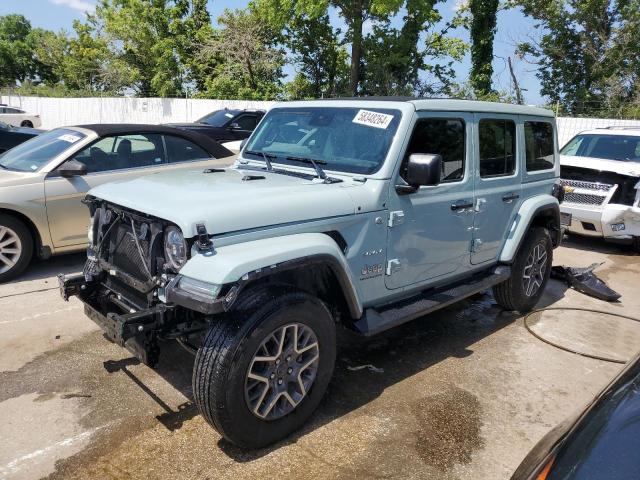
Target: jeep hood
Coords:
[(630, 169), (229, 200)]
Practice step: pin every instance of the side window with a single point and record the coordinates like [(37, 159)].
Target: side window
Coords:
[(442, 136), (246, 122), (182, 150), (497, 148), (538, 139), (123, 151)]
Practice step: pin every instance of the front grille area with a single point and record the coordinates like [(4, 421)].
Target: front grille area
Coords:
[(584, 192), (583, 198), (604, 187), (124, 253)]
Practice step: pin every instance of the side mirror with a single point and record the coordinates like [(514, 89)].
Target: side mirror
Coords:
[(423, 169), (72, 168), (235, 126)]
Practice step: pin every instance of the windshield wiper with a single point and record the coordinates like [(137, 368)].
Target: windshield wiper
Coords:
[(316, 164), (266, 157)]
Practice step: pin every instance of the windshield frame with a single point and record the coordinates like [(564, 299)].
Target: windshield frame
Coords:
[(87, 136), (280, 159)]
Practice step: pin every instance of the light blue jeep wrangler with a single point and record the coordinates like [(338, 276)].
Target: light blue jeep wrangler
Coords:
[(367, 213)]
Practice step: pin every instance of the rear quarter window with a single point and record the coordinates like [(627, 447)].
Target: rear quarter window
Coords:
[(538, 137)]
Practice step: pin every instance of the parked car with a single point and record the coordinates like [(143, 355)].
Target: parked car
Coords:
[(19, 118), (43, 181), (600, 171), (11, 136), (365, 212), (599, 442), (225, 125)]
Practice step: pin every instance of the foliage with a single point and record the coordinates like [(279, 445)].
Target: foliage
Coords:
[(587, 54), (320, 57), (482, 30), (394, 59), (249, 64)]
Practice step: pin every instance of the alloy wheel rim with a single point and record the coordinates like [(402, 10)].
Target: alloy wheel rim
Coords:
[(534, 270), (10, 249), (282, 371)]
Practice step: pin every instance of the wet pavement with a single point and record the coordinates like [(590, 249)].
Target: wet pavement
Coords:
[(461, 394)]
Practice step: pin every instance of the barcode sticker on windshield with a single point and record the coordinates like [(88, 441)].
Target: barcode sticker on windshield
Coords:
[(69, 138), (373, 119)]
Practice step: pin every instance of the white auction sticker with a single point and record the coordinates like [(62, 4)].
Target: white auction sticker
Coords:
[(69, 138), (228, 115), (373, 119)]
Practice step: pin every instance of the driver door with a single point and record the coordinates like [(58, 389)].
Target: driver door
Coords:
[(430, 230), (107, 160)]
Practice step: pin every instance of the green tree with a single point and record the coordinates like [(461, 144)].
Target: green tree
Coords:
[(396, 61), (147, 36), (249, 63), (319, 56), (588, 54), (482, 31), (354, 12), (17, 63)]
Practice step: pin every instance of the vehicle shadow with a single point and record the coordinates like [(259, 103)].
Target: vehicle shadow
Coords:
[(364, 367), (46, 269), (595, 244)]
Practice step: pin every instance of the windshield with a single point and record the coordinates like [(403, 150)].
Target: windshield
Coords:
[(612, 147), (351, 140), (218, 118), (33, 154)]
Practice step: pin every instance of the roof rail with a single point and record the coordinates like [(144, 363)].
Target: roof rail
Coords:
[(620, 127)]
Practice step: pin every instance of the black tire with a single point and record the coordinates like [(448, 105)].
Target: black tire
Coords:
[(25, 245), (27, 124), (511, 294), (222, 364)]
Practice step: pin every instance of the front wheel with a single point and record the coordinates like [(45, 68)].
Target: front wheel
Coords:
[(261, 373), (529, 273), (16, 247)]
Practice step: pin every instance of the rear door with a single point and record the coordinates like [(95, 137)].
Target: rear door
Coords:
[(497, 183), (246, 123)]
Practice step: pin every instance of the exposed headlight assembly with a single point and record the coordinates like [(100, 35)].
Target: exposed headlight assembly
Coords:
[(175, 247)]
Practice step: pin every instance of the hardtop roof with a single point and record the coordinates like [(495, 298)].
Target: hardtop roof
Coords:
[(437, 104)]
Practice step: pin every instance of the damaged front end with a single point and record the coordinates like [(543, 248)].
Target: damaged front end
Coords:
[(601, 203), (132, 289)]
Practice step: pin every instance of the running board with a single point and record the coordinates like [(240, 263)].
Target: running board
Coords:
[(374, 320)]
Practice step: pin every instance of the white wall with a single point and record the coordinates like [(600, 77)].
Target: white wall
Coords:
[(57, 112), (568, 126)]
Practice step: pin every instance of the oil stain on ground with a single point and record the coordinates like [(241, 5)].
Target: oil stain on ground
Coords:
[(449, 427)]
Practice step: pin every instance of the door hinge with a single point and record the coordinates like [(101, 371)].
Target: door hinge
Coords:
[(393, 266), (476, 245), (396, 218)]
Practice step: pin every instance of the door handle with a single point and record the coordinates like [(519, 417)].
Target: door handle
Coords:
[(461, 205), (510, 197)]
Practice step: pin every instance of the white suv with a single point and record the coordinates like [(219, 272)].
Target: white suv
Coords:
[(600, 171), (19, 118)]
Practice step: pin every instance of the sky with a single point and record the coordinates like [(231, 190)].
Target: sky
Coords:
[(512, 27)]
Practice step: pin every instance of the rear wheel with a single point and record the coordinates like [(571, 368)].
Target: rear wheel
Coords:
[(261, 373), (16, 247), (529, 273), (27, 123)]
